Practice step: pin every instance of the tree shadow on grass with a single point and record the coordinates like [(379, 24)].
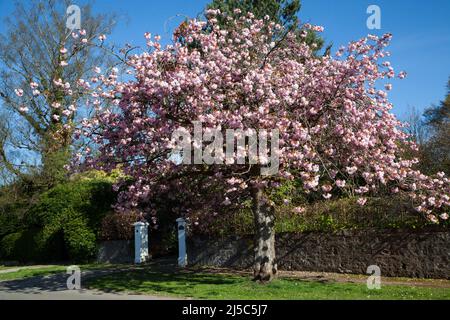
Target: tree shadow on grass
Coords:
[(166, 279), (36, 283)]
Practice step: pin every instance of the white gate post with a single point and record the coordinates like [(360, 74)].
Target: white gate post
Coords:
[(182, 257), (140, 242)]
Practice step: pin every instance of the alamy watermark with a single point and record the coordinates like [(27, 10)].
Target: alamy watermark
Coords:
[(252, 147), (374, 281), (374, 20), (73, 21), (74, 280)]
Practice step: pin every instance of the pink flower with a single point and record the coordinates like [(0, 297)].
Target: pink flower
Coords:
[(318, 28), (432, 218), (23, 109), (226, 202), (63, 50), (19, 92), (63, 63), (402, 75), (361, 201), (299, 210), (351, 170), (432, 201), (440, 175), (362, 189), (340, 183), (102, 37), (444, 216), (58, 83)]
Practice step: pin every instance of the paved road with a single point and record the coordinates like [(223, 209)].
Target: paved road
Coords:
[(54, 287)]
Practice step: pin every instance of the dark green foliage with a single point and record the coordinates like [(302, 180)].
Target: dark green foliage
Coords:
[(284, 12), (387, 212), (9, 223), (63, 223), (91, 198), (26, 246), (436, 150), (80, 239), (280, 11), (8, 245)]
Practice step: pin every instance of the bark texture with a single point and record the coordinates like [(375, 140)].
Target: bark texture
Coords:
[(265, 266)]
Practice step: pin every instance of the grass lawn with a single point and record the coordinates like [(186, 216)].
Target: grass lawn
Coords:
[(4, 267), (27, 272), (220, 286)]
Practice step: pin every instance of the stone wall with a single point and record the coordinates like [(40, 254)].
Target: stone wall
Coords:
[(422, 254), (116, 251)]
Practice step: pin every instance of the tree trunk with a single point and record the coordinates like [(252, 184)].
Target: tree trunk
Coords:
[(265, 267)]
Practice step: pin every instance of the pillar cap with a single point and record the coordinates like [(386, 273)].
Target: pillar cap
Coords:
[(180, 220), (140, 223)]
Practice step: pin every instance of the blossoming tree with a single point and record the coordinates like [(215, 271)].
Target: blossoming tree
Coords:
[(40, 61), (336, 132)]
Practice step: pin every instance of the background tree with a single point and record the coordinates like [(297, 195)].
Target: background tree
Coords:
[(416, 127), (39, 59), (284, 12), (436, 149)]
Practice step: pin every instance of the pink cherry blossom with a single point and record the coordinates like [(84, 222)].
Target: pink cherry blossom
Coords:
[(23, 109), (432, 218), (335, 122), (340, 183), (299, 210), (361, 201)]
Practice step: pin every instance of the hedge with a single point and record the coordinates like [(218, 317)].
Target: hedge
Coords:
[(64, 223)]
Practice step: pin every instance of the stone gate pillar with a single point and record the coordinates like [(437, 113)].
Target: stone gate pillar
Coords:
[(141, 242), (182, 256)]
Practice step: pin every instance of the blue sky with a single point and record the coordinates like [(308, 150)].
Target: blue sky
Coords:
[(421, 29)]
